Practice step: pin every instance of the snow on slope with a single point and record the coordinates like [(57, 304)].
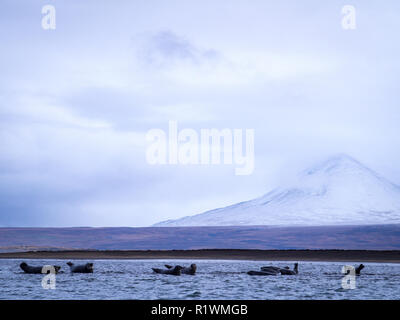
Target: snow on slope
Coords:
[(339, 191)]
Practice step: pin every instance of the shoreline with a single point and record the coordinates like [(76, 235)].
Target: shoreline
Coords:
[(378, 256)]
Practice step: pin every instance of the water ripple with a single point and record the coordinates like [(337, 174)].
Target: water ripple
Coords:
[(134, 279)]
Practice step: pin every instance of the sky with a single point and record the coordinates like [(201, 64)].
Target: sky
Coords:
[(77, 101)]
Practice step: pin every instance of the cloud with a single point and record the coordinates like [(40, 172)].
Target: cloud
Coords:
[(166, 48), (75, 110)]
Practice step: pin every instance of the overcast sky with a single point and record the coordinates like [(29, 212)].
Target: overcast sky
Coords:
[(77, 101)]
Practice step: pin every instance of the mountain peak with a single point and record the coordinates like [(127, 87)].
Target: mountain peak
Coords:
[(342, 158), (338, 162)]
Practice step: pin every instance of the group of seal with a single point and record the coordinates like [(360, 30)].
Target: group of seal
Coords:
[(85, 268), (273, 271), (170, 270), (177, 270)]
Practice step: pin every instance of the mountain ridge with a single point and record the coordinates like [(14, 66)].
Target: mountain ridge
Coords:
[(337, 191), (382, 237)]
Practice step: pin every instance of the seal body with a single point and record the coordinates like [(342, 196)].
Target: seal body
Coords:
[(359, 268), (35, 270), (186, 270), (84, 268), (176, 271), (288, 272), (273, 271)]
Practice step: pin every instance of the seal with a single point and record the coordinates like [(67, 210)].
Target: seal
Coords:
[(176, 271), (272, 269), (31, 269), (290, 272), (359, 268), (84, 268), (186, 270)]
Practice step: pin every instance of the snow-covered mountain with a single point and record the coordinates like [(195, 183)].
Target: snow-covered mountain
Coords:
[(338, 191)]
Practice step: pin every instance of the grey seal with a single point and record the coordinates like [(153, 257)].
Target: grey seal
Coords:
[(31, 269), (84, 268), (174, 272), (291, 272), (186, 270), (272, 269), (358, 269)]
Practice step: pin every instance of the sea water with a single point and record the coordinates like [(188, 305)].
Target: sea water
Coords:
[(215, 279)]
